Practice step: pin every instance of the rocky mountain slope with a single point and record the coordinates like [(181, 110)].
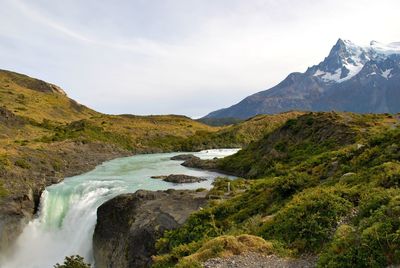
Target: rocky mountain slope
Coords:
[(352, 78)]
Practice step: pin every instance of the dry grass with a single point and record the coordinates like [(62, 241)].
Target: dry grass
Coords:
[(38, 105), (227, 245)]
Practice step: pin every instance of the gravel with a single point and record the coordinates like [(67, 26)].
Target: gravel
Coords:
[(257, 260)]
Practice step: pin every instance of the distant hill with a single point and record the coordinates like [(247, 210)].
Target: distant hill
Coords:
[(352, 78), (220, 121)]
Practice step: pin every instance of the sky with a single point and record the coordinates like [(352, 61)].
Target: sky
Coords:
[(186, 57)]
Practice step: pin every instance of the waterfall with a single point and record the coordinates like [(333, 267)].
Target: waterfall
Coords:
[(66, 219)]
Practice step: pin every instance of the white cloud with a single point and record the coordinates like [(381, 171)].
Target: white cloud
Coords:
[(187, 57)]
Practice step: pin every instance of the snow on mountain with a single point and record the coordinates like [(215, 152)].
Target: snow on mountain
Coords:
[(386, 74), (350, 59), (361, 79)]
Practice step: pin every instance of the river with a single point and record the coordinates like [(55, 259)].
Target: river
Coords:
[(67, 215)]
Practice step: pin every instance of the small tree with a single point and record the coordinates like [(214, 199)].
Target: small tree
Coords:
[(74, 261)]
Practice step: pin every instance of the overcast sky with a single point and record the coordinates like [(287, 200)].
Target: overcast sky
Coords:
[(179, 56)]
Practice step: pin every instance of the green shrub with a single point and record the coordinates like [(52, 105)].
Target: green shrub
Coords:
[(341, 251), (74, 261), (3, 191), (301, 199), (4, 162), (308, 220), (22, 163), (375, 242), (286, 186), (86, 132)]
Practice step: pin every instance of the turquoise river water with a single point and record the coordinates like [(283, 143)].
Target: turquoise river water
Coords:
[(67, 216)]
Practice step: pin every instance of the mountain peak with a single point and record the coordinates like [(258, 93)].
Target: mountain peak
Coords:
[(343, 62), (346, 59), (373, 43), (339, 46), (351, 78), (340, 43), (344, 43)]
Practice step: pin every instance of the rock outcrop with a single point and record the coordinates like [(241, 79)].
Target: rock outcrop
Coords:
[(183, 157), (129, 225), (179, 178), (196, 162)]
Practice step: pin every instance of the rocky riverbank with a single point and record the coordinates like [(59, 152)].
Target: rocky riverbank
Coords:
[(129, 225)]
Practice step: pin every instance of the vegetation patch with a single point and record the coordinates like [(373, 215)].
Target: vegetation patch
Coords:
[(22, 163), (3, 191), (222, 246), (325, 184), (307, 222)]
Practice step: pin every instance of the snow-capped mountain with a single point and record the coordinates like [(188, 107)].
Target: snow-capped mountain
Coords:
[(363, 79), (347, 59)]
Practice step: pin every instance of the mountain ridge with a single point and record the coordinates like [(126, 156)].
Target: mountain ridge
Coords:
[(370, 74)]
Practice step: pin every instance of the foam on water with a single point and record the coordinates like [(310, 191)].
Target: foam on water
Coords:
[(67, 216)]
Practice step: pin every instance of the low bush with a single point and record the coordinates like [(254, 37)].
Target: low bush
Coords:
[(308, 220), (74, 261), (22, 163), (222, 246)]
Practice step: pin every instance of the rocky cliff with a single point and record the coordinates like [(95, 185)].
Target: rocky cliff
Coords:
[(129, 225)]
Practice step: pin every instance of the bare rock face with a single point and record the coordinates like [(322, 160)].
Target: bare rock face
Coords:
[(129, 225)]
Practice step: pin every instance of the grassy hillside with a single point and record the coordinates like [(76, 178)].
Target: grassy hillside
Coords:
[(38, 100), (240, 134), (219, 121), (325, 184), (45, 136)]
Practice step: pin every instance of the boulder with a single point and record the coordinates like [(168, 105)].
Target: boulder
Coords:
[(181, 178), (184, 157), (201, 164), (178, 178), (129, 225)]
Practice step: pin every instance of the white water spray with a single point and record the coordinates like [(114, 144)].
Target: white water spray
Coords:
[(67, 215)]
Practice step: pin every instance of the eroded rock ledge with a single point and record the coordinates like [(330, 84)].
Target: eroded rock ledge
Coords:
[(129, 225)]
